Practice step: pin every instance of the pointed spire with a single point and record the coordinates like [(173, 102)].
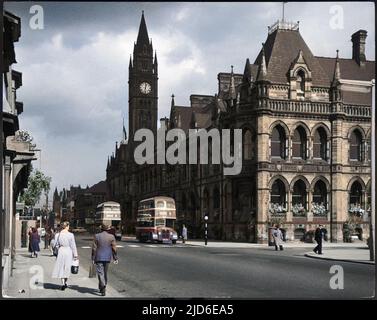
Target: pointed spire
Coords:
[(124, 138), (337, 67), (247, 72), (142, 37), (262, 71), (108, 162), (232, 87), (130, 65), (172, 101), (116, 146), (155, 58)]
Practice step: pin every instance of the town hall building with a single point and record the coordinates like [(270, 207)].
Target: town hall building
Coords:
[(306, 132)]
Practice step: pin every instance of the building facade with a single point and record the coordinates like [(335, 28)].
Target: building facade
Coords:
[(306, 132), (17, 153)]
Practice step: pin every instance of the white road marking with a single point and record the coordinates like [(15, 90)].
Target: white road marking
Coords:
[(86, 247), (151, 246), (134, 246), (120, 246)]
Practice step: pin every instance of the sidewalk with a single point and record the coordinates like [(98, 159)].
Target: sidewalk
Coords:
[(359, 255), (32, 279), (288, 244)]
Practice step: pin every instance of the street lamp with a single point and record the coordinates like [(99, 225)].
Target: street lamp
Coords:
[(205, 229)]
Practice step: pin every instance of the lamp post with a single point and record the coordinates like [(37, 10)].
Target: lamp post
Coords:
[(205, 229)]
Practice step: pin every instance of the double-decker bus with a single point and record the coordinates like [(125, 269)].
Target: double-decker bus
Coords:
[(109, 213), (156, 220)]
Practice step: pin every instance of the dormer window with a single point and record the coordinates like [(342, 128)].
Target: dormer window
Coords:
[(300, 83)]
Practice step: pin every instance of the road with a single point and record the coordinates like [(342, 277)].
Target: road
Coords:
[(182, 271)]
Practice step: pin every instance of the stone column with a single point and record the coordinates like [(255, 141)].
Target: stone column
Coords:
[(7, 202)]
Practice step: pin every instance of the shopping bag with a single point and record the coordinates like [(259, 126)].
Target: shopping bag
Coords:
[(92, 271), (75, 267)]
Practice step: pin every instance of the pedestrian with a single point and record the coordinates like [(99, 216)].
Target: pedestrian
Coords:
[(35, 240), (54, 237), (66, 254), (29, 232), (47, 237), (278, 238), (103, 250), (184, 234), (318, 237)]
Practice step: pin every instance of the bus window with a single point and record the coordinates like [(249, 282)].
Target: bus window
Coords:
[(160, 222), (170, 205), (170, 223), (144, 220), (160, 204)]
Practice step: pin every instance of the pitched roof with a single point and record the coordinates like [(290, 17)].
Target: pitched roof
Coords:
[(349, 68), (181, 117), (100, 187), (281, 49)]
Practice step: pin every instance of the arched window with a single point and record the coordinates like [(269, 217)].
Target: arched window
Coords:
[(216, 199), (278, 141), (319, 204), (356, 146), (320, 144), (299, 203), (300, 84), (247, 145), (278, 193), (299, 143), (356, 194)]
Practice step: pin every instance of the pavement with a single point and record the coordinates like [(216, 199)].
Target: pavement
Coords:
[(356, 251), (32, 279)]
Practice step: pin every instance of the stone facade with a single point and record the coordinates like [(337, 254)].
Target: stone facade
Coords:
[(306, 146)]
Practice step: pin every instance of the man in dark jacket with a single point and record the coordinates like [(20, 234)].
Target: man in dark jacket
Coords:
[(318, 237), (103, 250)]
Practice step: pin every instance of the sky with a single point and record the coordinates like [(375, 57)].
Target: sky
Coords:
[(75, 70)]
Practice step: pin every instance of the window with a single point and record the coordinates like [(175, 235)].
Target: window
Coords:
[(216, 199), (320, 144), (356, 146), (247, 145), (299, 143), (300, 84), (299, 193), (278, 141), (278, 193), (356, 194)]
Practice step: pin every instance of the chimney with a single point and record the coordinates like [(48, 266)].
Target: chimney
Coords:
[(358, 46), (165, 121)]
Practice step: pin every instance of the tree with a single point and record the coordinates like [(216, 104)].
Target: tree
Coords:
[(37, 184)]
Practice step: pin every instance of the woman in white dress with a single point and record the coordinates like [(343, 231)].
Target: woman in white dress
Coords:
[(66, 254)]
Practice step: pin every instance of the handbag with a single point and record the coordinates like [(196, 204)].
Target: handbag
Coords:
[(75, 267), (55, 248)]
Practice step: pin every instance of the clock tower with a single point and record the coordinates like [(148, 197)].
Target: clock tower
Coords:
[(142, 84)]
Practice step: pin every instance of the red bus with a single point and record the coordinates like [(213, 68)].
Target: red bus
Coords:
[(156, 219)]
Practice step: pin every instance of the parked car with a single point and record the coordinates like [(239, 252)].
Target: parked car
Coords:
[(78, 230)]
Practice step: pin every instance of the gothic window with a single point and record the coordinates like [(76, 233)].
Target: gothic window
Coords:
[(299, 203), (320, 193), (278, 193), (320, 144), (356, 194), (300, 83), (216, 199), (278, 142), (299, 143), (356, 146), (247, 145)]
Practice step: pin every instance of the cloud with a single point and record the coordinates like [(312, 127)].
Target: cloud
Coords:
[(75, 71)]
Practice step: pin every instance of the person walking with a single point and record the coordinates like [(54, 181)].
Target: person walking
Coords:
[(35, 239), (66, 254), (184, 233), (103, 250), (29, 232), (318, 237), (278, 238)]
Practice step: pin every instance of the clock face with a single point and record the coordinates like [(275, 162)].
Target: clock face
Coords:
[(145, 88)]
